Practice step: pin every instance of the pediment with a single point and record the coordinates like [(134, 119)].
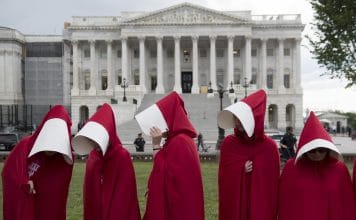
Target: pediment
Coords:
[(184, 14)]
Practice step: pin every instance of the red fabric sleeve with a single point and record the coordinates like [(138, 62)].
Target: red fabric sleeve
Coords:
[(18, 204), (92, 186), (110, 186), (354, 177), (175, 185), (119, 187)]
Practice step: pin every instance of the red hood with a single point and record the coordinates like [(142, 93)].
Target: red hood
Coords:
[(175, 115)]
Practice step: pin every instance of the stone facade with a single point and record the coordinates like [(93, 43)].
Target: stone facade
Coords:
[(186, 48)]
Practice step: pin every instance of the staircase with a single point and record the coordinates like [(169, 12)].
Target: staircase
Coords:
[(201, 111)]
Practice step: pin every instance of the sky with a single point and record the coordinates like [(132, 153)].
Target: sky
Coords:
[(48, 17)]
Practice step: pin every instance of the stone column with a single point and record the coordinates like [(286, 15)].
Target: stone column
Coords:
[(75, 89), (124, 57), (177, 71), (195, 87), (142, 64), (280, 67), (263, 77), (213, 61), (93, 69), (109, 64), (159, 88), (248, 58), (297, 72), (230, 60)]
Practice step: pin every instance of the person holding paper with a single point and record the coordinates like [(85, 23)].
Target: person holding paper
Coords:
[(175, 189)]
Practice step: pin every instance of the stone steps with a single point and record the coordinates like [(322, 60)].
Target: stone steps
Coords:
[(201, 111)]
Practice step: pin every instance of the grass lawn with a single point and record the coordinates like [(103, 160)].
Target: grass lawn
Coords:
[(142, 169)]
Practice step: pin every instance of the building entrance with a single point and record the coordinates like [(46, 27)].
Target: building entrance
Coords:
[(187, 80)]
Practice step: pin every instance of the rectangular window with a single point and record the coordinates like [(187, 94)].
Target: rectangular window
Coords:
[(254, 52), (237, 78), (136, 53), (220, 53), (102, 53), (286, 52), (286, 81), (203, 53), (119, 79), (170, 53), (270, 52), (104, 82), (253, 79), (86, 81), (137, 79), (50, 49), (269, 81), (153, 53), (86, 53)]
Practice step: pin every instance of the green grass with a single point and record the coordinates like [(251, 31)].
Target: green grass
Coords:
[(142, 169)]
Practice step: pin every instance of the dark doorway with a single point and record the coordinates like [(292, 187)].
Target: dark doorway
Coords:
[(187, 80), (153, 82)]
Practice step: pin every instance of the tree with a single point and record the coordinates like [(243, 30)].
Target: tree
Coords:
[(334, 40)]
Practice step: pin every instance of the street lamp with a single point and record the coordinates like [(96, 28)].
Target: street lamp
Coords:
[(245, 86), (124, 85), (221, 92)]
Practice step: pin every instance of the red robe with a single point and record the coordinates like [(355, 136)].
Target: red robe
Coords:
[(316, 191), (110, 186), (51, 183), (15, 188), (248, 196), (175, 187), (51, 180), (354, 178)]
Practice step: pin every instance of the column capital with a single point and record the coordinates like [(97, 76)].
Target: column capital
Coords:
[(264, 39), (141, 38), (159, 38), (195, 37), (248, 37), (280, 39), (123, 38), (176, 37), (212, 37), (230, 37), (75, 42), (91, 41), (298, 39), (109, 41)]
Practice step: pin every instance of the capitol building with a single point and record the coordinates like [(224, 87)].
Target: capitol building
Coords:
[(133, 59)]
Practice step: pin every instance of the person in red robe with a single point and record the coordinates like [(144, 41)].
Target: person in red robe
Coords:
[(354, 177), (109, 190), (249, 163), (175, 188), (37, 173), (316, 185)]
